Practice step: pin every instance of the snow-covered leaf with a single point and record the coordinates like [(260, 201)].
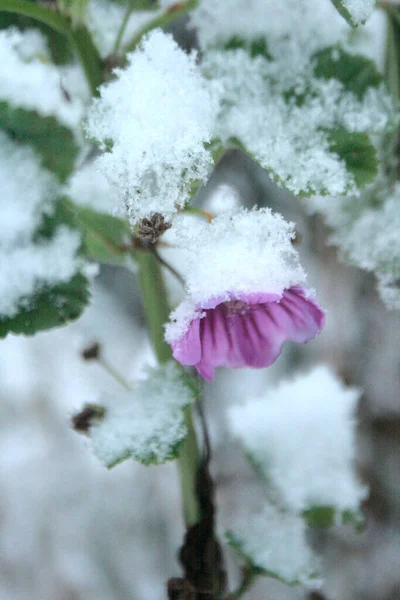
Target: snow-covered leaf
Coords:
[(274, 544), (37, 102), (357, 152), (301, 436), (158, 135), (326, 516), (356, 12), (104, 236), (41, 280), (146, 423), (53, 141), (356, 72), (51, 307), (367, 231), (311, 133)]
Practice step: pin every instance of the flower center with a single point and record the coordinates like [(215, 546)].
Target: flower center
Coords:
[(236, 307)]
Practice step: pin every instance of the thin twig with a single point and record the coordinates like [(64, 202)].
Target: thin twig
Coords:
[(122, 28), (169, 267)]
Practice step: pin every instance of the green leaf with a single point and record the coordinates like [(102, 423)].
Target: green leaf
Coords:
[(51, 307), (309, 570), (105, 238), (327, 516), (235, 542), (147, 422), (357, 152), (256, 47), (54, 142), (344, 12), (355, 72)]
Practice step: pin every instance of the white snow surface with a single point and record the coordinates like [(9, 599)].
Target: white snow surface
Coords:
[(146, 423), (288, 138), (88, 186), (28, 192), (276, 542), (29, 80), (302, 436), (159, 113), (239, 252)]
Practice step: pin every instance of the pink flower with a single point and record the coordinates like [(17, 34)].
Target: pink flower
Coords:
[(247, 330)]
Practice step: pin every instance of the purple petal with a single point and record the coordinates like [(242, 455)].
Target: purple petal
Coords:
[(187, 349), (299, 317), (239, 333)]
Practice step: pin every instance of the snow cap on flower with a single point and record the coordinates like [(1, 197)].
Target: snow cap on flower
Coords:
[(244, 293), (154, 119)]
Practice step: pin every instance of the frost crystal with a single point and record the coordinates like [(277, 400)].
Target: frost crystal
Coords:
[(275, 542), (157, 114), (27, 265), (146, 423), (301, 435), (28, 80)]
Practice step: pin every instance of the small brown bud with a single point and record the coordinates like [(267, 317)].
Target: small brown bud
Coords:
[(150, 230), (83, 420), (92, 352), (297, 238)]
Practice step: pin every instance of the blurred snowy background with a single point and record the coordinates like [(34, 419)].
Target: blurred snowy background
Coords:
[(71, 530)]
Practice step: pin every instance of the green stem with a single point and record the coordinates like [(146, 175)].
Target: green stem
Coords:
[(155, 302), (157, 311), (114, 373), (188, 462), (162, 20), (79, 38), (122, 28)]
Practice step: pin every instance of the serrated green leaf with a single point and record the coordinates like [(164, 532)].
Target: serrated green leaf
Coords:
[(355, 72), (358, 152), (51, 307), (105, 237), (54, 142)]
